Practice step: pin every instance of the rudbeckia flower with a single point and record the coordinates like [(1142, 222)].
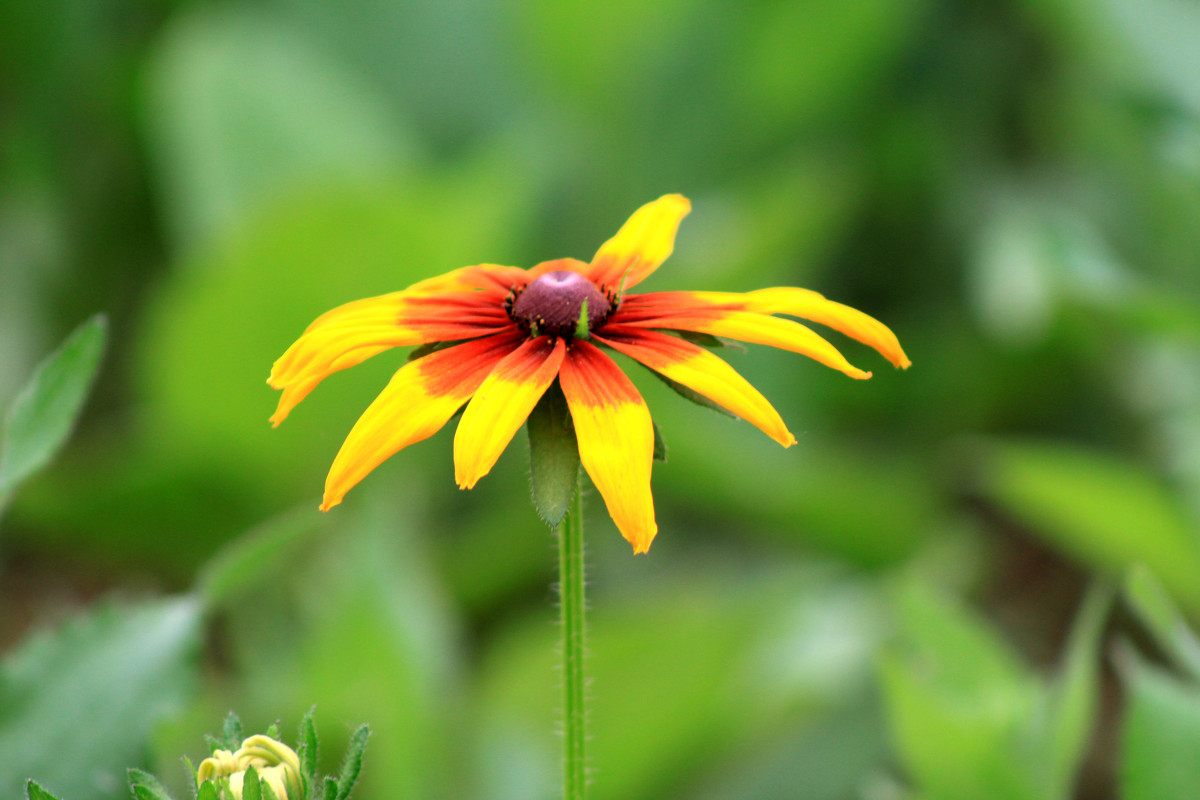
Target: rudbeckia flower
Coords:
[(497, 337)]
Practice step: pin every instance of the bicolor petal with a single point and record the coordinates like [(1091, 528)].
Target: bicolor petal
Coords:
[(502, 404), (701, 371), (616, 438), (372, 327), (814, 306), (642, 244), (419, 400), (746, 326)]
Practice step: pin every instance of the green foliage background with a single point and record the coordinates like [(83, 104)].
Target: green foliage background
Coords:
[(893, 608)]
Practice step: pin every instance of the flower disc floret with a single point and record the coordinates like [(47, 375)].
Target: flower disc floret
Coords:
[(553, 303)]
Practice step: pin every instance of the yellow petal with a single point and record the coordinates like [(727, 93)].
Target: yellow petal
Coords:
[(701, 371), (419, 400), (616, 439), (642, 244), (501, 405)]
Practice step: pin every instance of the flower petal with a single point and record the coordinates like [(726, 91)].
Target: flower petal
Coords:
[(747, 326), (643, 243), (352, 333), (700, 370), (419, 400), (502, 404), (788, 300), (811, 305), (616, 438)]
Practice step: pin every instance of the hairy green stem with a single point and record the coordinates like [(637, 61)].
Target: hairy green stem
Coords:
[(571, 602)]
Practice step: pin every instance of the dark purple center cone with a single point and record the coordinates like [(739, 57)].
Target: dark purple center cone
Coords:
[(551, 304)]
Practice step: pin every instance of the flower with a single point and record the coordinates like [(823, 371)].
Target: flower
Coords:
[(504, 334), (277, 765)]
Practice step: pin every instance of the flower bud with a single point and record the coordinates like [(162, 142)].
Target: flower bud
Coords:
[(277, 766)]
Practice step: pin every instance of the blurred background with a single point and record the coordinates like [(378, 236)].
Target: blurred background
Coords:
[(894, 608)]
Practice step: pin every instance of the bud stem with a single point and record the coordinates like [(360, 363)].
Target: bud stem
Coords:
[(571, 602)]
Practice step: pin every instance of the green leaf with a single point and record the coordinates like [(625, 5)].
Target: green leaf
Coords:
[(35, 792), (1155, 610), (553, 456), (146, 787), (1109, 512), (45, 410), (352, 766), (1160, 758), (1072, 696), (660, 445), (77, 703), (692, 395)]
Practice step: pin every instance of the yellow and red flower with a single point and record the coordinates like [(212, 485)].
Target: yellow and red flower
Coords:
[(510, 332)]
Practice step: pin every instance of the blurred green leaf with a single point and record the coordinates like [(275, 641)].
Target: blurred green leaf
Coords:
[(44, 412), (1072, 696), (1156, 611), (242, 105), (553, 456), (240, 563), (1106, 511), (77, 703), (958, 700), (1160, 757)]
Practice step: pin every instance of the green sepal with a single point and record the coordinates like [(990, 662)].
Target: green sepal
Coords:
[(145, 786), (703, 339), (190, 769), (660, 445), (581, 324), (231, 731), (429, 348), (353, 763), (207, 791), (308, 751), (34, 791), (252, 784), (331, 788), (273, 731), (267, 792), (694, 396), (215, 744), (553, 456)]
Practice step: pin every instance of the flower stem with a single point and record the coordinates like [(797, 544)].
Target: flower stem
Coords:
[(571, 602)]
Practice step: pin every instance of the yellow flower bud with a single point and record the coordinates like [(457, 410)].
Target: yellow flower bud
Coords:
[(276, 764)]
